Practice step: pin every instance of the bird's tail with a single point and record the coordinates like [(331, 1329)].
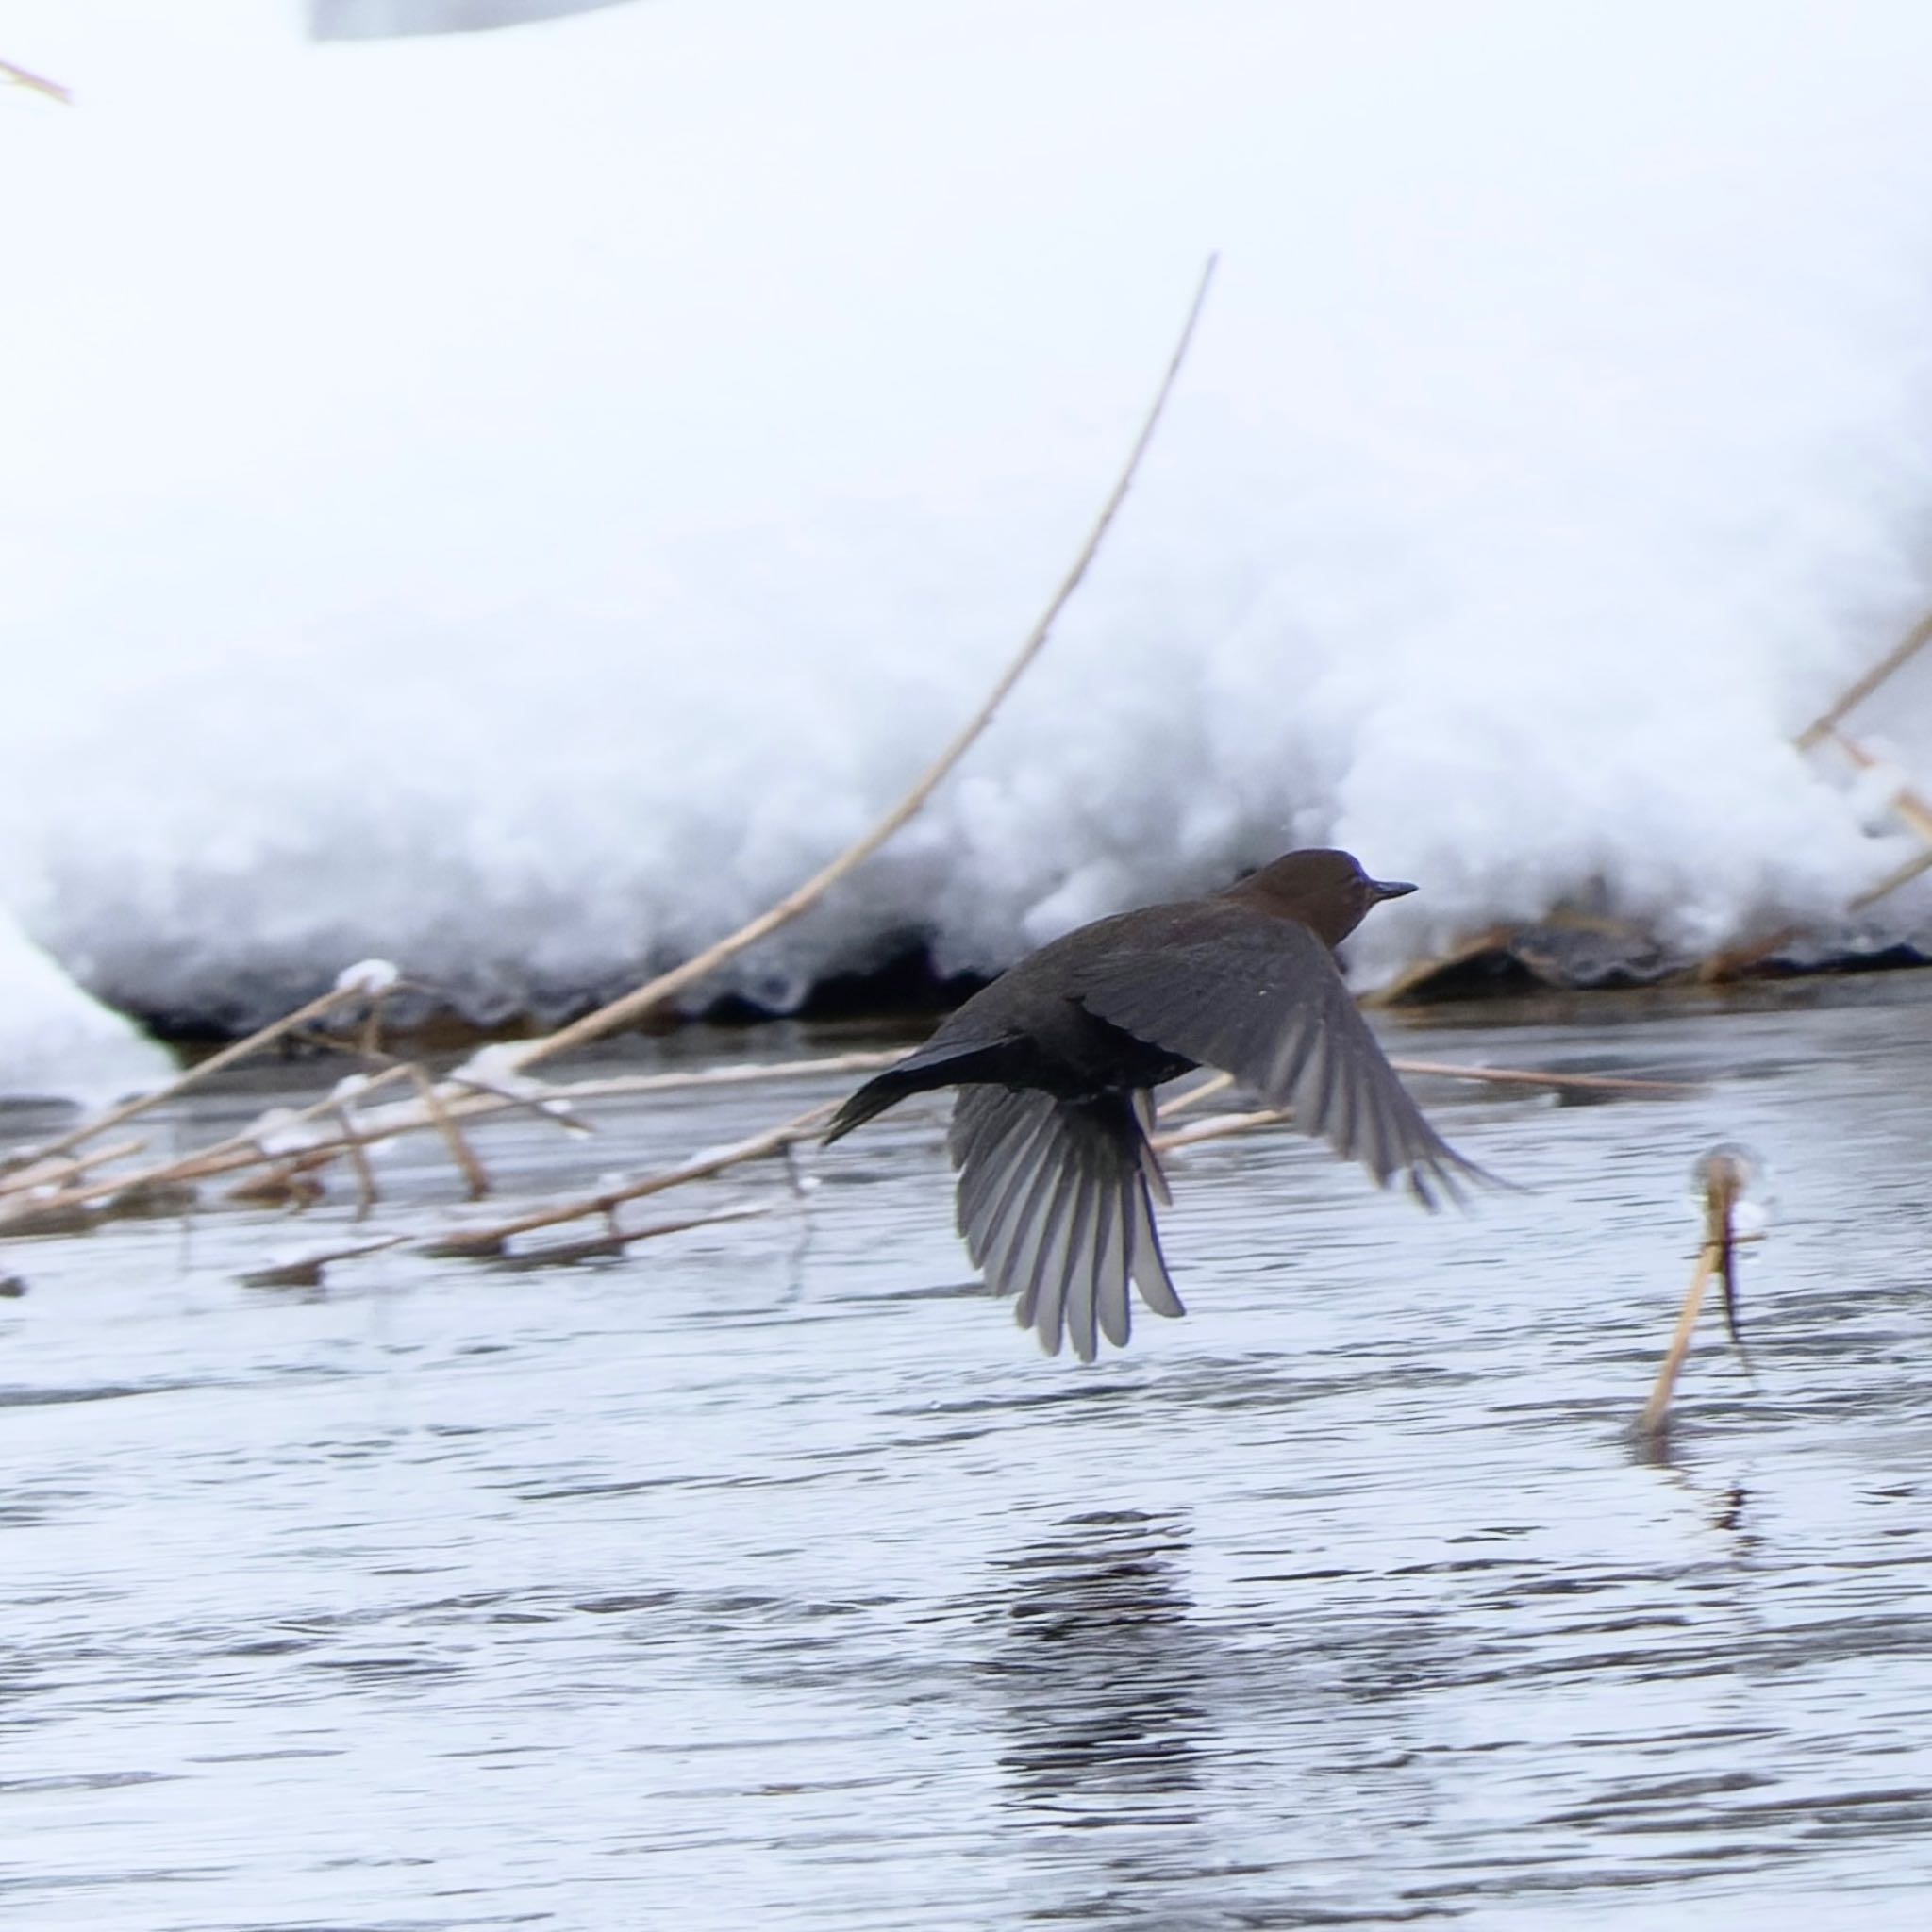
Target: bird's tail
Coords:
[(930, 1067), (1057, 1206)]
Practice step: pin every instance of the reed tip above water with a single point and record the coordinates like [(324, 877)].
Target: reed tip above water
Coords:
[(1727, 1182)]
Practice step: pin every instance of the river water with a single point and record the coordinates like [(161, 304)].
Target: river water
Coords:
[(770, 1577)]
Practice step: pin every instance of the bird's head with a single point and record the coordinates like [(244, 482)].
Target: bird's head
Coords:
[(1327, 891)]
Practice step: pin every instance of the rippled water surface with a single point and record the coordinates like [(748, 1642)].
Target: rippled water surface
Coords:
[(770, 1576)]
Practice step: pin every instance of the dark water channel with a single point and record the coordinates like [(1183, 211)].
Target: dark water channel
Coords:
[(770, 1577)]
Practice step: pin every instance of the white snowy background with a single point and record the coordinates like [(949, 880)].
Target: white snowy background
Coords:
[(517, 503)]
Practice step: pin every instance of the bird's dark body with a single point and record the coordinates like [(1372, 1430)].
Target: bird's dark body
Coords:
[(1023, 1030), (1057, 1057)]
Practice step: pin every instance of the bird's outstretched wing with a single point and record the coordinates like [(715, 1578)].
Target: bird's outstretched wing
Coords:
[(1057, 1206), (1261, 999)]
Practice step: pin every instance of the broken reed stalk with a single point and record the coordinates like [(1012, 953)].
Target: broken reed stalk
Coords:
[(641, 999), (19, 77), (1514, 1077), (65, 1169), (359, 1165), (616, 1239), (1657, 1410), (290, 1183), (620, 1085), (1907, 803), (1207, 1090), (1502, 1076), (1725, 1178), (1915, 810), (1223, 1125), (1896, 660), (485, 1241), (305, 1271), (1218, 1126), (459, 1149), (1899, 875)]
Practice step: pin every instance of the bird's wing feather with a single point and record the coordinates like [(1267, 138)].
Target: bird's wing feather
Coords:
[(1261, 998), (1057, 1206)]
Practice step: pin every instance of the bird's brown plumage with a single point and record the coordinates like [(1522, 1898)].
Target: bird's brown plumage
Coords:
[(1055, 1061)]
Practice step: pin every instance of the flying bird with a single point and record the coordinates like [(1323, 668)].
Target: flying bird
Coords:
[(1056, 1062)]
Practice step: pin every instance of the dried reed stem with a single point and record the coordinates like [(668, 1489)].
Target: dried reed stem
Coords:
[(1896, 660), (1899, 875), (1223, 1125), (1915, 810), (1207, 1090), (1219, 1127), (617, 1240), (620, 1085), (1657, 1409), (62, 1170), (489, 1241), (305, 1271), (1724, 1179), (359, 1166), (19, 77), (1514, 1077), (459, 1149)]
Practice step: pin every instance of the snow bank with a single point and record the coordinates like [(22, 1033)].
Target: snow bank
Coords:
[(515, 504), (58, 1043)]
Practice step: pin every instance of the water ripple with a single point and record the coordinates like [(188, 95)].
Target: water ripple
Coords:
[(769, 1578)]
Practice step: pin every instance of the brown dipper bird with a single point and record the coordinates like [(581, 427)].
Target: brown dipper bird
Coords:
[(1056, 1059)]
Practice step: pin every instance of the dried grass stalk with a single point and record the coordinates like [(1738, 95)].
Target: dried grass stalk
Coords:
[(305, 1271), (1517, 1076), (1209, 1089), (366, 1195), (1726, 1177), (1220, 1125), (19, 77), (1855, 695), (484, 1242), (474, 1179), (616, 1240)]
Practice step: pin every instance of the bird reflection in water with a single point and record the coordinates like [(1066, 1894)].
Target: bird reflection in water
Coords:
[(1731, 1513), (1095, 1670)]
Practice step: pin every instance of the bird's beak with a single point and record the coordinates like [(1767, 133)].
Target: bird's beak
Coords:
[(1391, 889)]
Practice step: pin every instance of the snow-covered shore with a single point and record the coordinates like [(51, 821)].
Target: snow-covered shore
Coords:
[(516, 504)]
